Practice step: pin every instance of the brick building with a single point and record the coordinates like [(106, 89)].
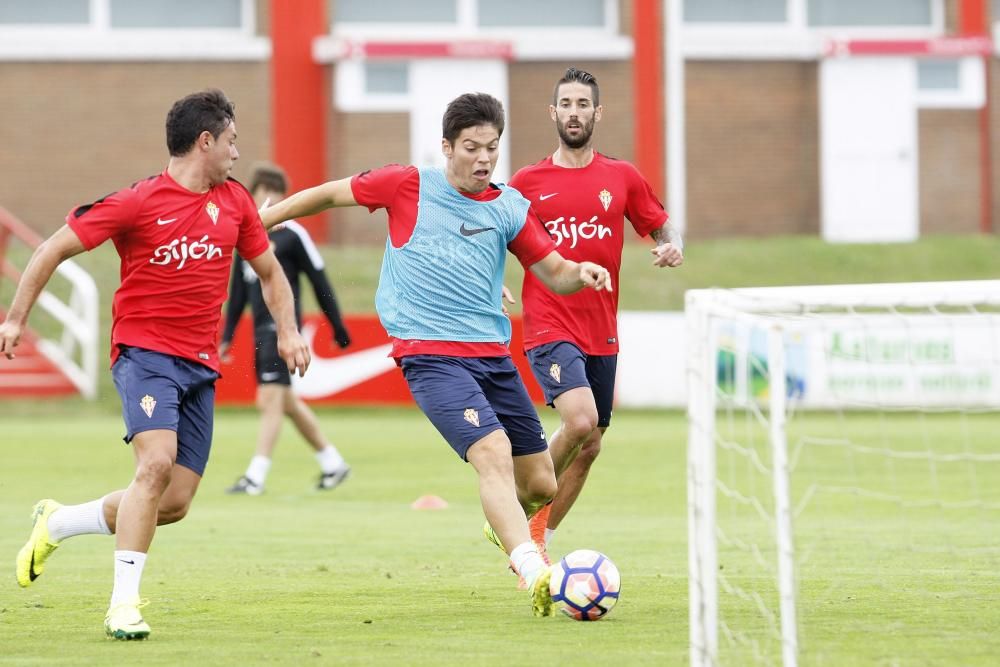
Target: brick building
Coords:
[(86, 85)]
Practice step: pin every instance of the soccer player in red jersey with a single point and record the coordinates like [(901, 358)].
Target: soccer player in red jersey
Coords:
[(175, 234), (583, 199), (439, 299)]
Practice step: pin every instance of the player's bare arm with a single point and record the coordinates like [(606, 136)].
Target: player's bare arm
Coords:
[(278, 297), (309, 202), (53, 251), (564, 276), (669, 250)]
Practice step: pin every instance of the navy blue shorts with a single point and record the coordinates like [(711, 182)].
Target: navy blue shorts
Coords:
[(270, 367), (561, 366), (161, 391), (467, 398)]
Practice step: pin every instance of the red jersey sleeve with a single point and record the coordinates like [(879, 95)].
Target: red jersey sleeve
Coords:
[(107, 217), (533, 242), (252, 241), (642, 208), (378, 188)]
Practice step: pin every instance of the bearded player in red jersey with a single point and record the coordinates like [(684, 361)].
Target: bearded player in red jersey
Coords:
[(583, 198), (175, 233)]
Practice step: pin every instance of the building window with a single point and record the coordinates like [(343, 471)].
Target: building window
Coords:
[(552, 13), (394, 11), (735, 11), (938, 74), (51, 12), (128, 14), (867, 13), (387, 78), (176, 14)]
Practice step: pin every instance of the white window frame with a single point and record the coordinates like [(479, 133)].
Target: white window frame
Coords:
[(971, 92), (350, 94), (99, 41), (528, 43), (793, 39)]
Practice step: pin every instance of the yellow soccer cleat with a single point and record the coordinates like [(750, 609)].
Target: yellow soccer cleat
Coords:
[(32, 556), (491, 535), (125, 622), (541, 597)]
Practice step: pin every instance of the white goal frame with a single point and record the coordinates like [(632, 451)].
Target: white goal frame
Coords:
[(758, 306)]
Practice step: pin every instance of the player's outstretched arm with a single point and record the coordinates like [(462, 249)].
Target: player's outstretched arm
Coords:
[(278, 297), (309, 202), (564, 276), (669, 250), (53, 251)]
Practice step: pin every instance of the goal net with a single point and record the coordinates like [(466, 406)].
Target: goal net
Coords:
[(844, 474)]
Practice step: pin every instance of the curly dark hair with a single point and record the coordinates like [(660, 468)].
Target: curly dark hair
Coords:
[(209, 110), (471, 110), (578, 76)]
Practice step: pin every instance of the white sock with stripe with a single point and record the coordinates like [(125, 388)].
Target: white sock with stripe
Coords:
[(329, 459), (128, 573), (527, 563), (258, 469), (71, 520)]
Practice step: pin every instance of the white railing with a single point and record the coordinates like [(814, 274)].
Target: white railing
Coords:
[(74, 349)]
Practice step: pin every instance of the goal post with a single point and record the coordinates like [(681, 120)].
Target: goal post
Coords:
[(853, 421)]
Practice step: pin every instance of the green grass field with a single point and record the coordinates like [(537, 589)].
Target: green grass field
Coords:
[(353, 576), (897, 548), (356, 577)]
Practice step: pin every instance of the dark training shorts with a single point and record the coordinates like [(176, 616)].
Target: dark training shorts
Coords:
[(561, 366), (270, 367), (161, 391), (467, 398)]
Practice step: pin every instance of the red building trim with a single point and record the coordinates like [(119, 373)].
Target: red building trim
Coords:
[(974, 21), (647, 77), (300, 97)]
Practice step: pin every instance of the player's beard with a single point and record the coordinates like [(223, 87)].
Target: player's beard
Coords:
[(582, 139)]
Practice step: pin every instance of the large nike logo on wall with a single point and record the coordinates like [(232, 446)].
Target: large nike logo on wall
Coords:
[(332, 375), (466, 231)]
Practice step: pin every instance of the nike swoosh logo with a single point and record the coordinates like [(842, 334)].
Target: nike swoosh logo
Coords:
[(333, 375), (31, 568), (127, 562), (544, 197), (465, 231), (161, 221)]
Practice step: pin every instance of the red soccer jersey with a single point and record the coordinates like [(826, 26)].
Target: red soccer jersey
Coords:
[(176, 249), (584, 210), (396, 188)]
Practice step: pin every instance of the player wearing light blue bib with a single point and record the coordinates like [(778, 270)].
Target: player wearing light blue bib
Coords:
[(439, 297)]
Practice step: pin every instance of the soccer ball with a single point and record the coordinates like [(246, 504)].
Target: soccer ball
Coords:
[(585, 585)]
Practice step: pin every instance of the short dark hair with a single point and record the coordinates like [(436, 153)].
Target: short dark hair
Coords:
[(471, 110), (578, 76), (269, 176), (210, 110)]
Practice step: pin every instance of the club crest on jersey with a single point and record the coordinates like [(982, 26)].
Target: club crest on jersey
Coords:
[(472, 416), (605, 198), (556, 372), (147, 403), (213, 211)]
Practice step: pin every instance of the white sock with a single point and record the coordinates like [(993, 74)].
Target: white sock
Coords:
[(128, 572), (258, 469), (527, 563), (85, 519), (548, 535), (329, 459)]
